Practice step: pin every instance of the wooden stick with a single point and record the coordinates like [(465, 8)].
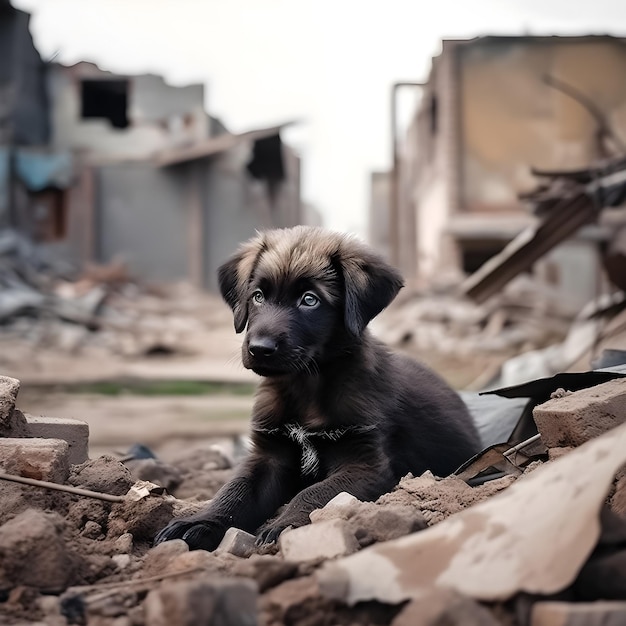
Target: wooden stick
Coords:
[(56, 487)]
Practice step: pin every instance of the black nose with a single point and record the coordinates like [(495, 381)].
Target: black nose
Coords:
[(262, 346)]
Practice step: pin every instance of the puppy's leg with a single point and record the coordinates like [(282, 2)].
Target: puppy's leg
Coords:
[(363, 482), (245, 502)]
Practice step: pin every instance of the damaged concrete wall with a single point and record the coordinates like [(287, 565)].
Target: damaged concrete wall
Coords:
[(485, 118), (512, 120), (142, 217), (158, 114)]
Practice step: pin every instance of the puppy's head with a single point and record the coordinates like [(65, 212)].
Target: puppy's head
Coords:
[(299, 290)]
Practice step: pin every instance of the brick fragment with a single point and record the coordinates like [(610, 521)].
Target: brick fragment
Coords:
[(576, 418), (75, 432), (579, 614), (237, 542), (42, 459), (323, 540)]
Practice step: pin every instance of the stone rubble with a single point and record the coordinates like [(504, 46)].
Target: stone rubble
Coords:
[(67, 559)]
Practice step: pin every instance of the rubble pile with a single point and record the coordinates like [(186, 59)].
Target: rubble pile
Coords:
[(543, 545), (101, 312)]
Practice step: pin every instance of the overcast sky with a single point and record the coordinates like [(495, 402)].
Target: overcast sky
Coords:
[(329, 63)]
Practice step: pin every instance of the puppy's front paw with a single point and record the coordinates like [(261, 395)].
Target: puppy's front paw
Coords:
[(198, 534), (269, 534)]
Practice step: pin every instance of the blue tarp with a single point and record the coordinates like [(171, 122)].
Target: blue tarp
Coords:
[(39, 170)]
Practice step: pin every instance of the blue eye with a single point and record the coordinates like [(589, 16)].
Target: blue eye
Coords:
[(309, 300), (258, 297)]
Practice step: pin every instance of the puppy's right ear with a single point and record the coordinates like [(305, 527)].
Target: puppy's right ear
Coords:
[(234, 277)]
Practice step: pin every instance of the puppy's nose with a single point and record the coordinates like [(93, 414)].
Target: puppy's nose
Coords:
[(262, 346)]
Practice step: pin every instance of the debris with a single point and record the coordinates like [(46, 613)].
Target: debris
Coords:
[(33, 552), (188, 603), (573, 419), (237, 542), (158, 558), (75, 432), (499, 547), (444, 606), (104, 474), (39, 459), (569, 614), (323, 540)]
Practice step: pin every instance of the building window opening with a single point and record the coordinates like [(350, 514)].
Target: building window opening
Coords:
[(105, 99)]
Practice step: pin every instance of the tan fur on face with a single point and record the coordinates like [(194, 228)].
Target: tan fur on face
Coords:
[(301, 252)]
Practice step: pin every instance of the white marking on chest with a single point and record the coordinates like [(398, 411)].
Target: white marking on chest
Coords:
[(309, 460)]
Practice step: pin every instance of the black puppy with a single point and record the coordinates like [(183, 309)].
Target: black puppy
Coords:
[(336, 410)]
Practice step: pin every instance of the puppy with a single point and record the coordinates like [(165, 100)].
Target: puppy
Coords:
[(336, 410)]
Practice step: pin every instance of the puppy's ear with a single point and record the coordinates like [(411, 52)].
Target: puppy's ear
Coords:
[(234, 277), (370, 285)]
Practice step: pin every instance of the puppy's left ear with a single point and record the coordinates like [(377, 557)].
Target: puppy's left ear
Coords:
[(370, 285), (234, 277)]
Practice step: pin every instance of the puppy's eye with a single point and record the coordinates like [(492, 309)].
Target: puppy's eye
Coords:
[(309, 300), (258, 297)]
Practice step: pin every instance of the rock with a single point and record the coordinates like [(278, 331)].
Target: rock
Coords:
[(42, 459), (443, 606), (198, 559), (323, 540), (499, 547), (579, 614), (123, 544), (122, 561), (294, 597), (189, 603), (75, 432), (237, 542), (155, 471), (9, 388), (33, 552), (104, 474), (87, 509), (374, 523), (141, 518), (92, 530), (582, 415), (266, 570), (157, 559), (342, 506)]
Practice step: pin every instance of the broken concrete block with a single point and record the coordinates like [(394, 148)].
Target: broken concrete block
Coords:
[(373, 523), (9, 388), (324, 540), (33, 552), (582, 415), (444, 606), (342, 506), (42, 459), (158, 558), (579, 614), (75, 432), (188, 603), (499, 547), (237, 542), (104, 474)]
